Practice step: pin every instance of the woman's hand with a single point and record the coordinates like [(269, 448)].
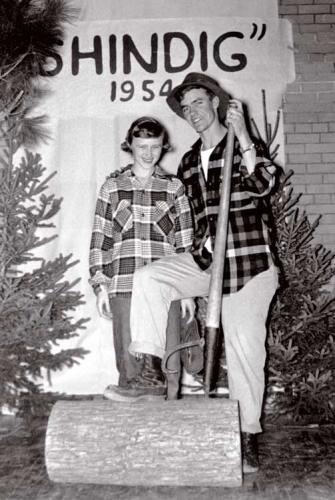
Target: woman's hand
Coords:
[(103, 304)]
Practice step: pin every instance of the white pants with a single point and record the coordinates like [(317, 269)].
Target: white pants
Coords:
[(244, 316)]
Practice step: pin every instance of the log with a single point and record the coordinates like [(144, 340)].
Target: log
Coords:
[(188, 442)]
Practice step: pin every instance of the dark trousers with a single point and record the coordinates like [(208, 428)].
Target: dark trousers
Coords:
[(127, 365)]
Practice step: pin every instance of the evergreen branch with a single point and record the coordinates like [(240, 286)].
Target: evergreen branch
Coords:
[(308, 320), (265, 118), (256, 129), (274, 152), (11, 67), (275, 131), (309, 234), (7, 110)]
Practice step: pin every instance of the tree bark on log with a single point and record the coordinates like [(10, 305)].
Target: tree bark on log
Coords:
[(189, 442)]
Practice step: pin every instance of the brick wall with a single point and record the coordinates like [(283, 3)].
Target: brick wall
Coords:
[(309, 110)]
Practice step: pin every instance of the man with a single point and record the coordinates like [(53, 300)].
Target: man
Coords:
[(250, 277)]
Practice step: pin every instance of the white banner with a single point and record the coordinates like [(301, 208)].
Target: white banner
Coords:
[(105, 66)]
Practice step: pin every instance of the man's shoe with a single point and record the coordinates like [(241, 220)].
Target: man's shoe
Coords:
[(250, 461), (191, 384), (222, 386)]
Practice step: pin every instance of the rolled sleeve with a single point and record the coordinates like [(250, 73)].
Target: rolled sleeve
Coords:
[(261, 181)]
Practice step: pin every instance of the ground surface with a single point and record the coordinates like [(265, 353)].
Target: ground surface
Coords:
[(298, 463)]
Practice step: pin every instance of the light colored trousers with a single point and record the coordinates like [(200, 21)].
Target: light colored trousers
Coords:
[(244, 316)]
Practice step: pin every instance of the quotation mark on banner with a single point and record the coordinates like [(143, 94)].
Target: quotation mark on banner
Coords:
[(255, 29)]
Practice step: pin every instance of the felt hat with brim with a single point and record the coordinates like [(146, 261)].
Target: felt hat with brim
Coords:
[(199, 80)]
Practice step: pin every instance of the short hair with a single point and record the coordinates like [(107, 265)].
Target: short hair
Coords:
[(181, 94), (146, 127)]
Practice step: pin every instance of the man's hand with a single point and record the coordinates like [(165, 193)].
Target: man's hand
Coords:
[(188, 306), (103, 304), (235, 116)]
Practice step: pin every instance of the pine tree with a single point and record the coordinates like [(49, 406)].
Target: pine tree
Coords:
[(301, 329), (301, 323), (36, 301)]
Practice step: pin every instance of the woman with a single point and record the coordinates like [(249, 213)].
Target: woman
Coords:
[(142, 214)]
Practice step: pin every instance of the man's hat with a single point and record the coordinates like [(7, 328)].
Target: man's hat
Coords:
[(201, 80)]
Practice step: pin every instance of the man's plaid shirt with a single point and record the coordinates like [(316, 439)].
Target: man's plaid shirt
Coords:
[(135, 225), (248, 245)]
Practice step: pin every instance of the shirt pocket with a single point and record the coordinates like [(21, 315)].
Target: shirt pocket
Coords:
[(123, 217), (164, 220)]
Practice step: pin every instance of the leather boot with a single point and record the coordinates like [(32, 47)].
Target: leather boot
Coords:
[(151, 372), (249, 445), (147, 385)]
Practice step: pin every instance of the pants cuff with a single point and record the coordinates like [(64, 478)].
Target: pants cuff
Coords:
[(146, 348), (252, 429)]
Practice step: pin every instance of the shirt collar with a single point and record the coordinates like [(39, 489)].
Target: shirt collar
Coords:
[(218, 148), (158, 172)]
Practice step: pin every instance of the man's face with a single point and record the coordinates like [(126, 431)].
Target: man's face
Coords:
[(199, 110)]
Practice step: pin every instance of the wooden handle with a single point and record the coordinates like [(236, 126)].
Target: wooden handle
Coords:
[(215, 287)]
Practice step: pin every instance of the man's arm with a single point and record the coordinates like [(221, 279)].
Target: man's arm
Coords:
[(258, 172), (184, 238), (261, 181)]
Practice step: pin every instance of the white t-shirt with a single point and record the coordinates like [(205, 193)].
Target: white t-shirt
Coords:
[(205, 154)]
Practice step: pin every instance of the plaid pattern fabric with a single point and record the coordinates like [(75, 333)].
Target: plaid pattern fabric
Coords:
[(135, 225), (248, 245)]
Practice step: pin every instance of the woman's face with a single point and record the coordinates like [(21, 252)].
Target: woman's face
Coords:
[(146, 152)]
